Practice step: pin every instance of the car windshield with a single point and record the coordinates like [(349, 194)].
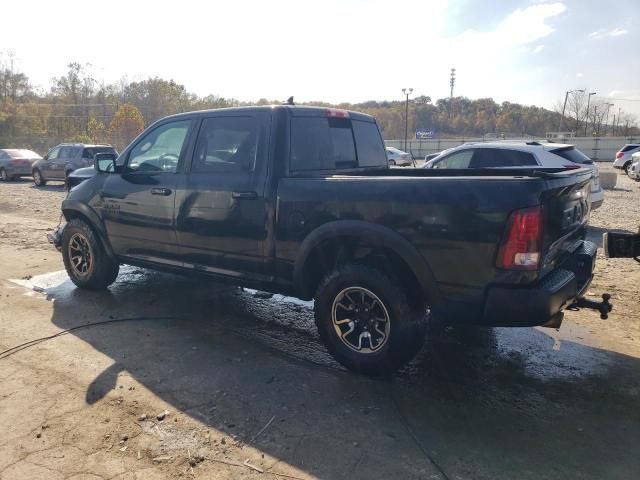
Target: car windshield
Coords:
[(572, 154)]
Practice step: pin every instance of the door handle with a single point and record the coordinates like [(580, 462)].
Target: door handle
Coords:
[(165, 192), (245, 195)]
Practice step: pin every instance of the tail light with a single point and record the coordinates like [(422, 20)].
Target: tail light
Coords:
[(619, 155), (521, 247)]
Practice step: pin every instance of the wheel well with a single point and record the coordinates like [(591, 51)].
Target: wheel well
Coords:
[(325, 257), (71, 214)]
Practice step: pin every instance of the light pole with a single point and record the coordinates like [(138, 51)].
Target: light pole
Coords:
[(586, 121), (566, 96), (406, 92), (606, 123), (615, 126)]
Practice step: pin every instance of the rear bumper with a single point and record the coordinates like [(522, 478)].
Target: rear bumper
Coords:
[(539, 303)]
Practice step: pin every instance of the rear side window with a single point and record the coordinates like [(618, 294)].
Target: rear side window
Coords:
[(626, 148), (498, 157), (572, 154), (226, 145), (371, 152)]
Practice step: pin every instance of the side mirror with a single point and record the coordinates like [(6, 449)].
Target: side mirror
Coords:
[(104, 162), (46, 157)]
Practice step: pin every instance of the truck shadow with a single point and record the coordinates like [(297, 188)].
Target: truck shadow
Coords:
[(481, 403)]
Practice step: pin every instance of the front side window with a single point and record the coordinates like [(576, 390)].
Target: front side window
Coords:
[(53, 154), (226, 145), (460, 159), (159, 150)]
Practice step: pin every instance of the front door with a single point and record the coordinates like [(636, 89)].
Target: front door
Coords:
[(138, 204), (47, 167), (221, 213)]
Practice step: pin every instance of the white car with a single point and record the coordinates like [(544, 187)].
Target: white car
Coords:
[(520, 154), (623, 157), (398, 157), (634, 170)]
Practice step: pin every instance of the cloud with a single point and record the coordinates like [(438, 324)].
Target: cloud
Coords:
[(538, 49), (600, 34), (579, 75)]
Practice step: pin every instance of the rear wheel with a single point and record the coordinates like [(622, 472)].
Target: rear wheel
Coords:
[(85, 259), (4, 176), (38, 179), (392, 162), (366, 321)]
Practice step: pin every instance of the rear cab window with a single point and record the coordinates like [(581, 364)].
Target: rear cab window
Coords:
[(329, 143)]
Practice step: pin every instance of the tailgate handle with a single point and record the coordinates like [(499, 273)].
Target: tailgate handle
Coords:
[(165, 192), (245, 195)]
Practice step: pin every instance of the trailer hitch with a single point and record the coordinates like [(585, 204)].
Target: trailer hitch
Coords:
[(604, 307)]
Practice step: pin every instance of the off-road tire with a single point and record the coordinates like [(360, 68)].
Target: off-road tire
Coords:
[(102, 271), (407, 323), (38, 179)]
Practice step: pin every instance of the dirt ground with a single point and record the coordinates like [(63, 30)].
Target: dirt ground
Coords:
[(251, 393)]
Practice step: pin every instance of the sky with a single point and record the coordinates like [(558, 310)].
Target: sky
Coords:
[(522, 51)]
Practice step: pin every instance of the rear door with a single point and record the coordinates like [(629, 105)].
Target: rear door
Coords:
[(138, 204), (221, 210)]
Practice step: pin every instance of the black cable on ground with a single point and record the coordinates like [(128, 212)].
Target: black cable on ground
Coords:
[(31, 343)]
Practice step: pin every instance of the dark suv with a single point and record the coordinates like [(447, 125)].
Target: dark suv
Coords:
[(63, 159)]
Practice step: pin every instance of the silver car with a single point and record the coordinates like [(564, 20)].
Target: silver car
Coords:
[(634, 170), (16, 162), (398, 157)]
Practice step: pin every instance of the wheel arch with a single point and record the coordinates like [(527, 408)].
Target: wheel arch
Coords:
[(71, 210), (321, 251)]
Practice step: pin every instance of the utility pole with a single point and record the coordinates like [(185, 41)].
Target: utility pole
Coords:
[(595, 120), (615, 129), (566, 96), (407, 92), (606, 123), (586, 121), (452, 83)]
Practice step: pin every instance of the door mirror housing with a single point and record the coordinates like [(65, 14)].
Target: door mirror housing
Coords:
[(104, 162)]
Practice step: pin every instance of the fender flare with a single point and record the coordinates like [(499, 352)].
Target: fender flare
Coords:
[(376, 236), (69, 207)]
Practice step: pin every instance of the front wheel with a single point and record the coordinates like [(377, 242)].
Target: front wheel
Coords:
[(85, 259), (366, 321), (4, 176), (627, 167), (38, 179)]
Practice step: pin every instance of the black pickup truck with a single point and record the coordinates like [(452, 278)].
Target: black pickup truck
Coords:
[(301, 201)]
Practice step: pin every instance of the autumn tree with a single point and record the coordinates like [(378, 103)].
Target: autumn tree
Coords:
[(126, 124)]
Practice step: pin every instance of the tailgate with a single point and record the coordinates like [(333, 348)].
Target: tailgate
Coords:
[(566, 204)]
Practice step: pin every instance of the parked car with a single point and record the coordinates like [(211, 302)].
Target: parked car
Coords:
[(63, 159), (634, 169), (520, 154), (16, 162), (301, 201), (623, 157), (398, 157)]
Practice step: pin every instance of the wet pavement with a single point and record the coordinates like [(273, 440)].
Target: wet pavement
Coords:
[(475, 403)]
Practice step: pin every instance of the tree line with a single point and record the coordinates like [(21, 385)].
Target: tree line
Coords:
[(79, 108)]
